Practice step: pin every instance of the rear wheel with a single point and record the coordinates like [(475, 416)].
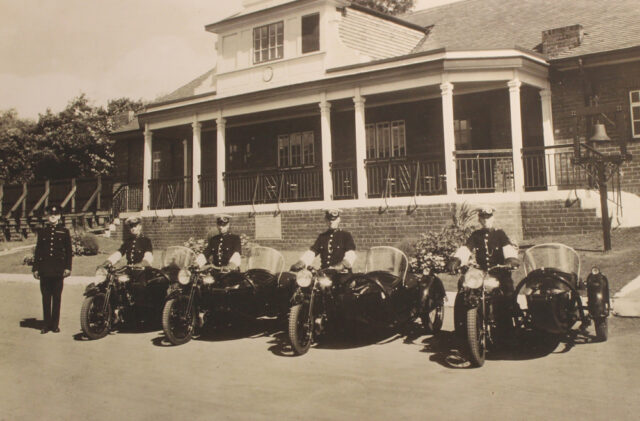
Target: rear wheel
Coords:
[(177, 322), (476, 337), (433, 317), (94, 317), (300, 328), (602, 329)]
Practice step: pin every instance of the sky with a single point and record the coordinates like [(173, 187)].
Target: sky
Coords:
[(53, 50)]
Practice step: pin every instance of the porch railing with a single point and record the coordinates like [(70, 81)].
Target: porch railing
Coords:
[(484, 171), (552, 166), (128, 198), (405, 177), (345, 184), (273, 186), (170, 193), (208, 190)]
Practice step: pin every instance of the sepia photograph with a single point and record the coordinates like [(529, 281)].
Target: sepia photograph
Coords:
[(319, 210)]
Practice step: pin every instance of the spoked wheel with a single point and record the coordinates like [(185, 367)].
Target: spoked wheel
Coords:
[(300, 328), (178, 323), (476, 337), (602, 329), (432, 319), (94, 317), (460, 317)]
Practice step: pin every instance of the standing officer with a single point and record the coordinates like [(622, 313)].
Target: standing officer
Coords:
[(222, 250), (52, 263), (335, 246), (137, 248)]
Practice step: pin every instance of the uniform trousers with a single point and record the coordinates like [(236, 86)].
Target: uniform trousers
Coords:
[(51, 289)]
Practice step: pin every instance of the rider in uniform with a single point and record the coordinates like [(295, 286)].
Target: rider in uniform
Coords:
[(137, 248), (223, 250), (52, 263), (335, 247), (491, 247)]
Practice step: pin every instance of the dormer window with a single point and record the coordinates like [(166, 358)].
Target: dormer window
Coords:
[(310, 33), (268, 42)]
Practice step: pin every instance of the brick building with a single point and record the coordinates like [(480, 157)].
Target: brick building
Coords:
[(396, 120)]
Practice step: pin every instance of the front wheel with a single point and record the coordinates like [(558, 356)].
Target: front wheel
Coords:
[(433, 317), (94, 317), (476, 337), (300, 328), (178, 323), (602, 329)]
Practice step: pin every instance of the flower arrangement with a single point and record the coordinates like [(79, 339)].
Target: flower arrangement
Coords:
[(196, 245), (84, 245), (433, 249)]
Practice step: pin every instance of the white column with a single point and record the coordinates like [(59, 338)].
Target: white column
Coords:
[(446, 90), (196, 163), (361, 145), (221, 153), (516, 134), (325, 127), (146, 168), (547, 132)]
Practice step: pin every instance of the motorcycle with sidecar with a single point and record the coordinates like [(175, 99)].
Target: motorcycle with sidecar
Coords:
[(385, 296), (551, 287), (127, 295), (211, 295)]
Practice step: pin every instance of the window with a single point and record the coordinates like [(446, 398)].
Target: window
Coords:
[(296, 150), (310, 33), (386, 139), (635, 112), (155, 165), (268, 42), (462, 130)]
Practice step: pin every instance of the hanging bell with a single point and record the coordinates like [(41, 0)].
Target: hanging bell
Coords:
[(599, 133)]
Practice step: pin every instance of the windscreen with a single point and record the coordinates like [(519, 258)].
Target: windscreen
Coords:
[(266, 258), (387, 259), (179, 256), (553, 255)]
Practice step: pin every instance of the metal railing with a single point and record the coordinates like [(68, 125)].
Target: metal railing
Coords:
[(405, 177), (273, 186), (484, 171), (345, 183), (208, 190), (128, 198), (170, 193), (547, 166)]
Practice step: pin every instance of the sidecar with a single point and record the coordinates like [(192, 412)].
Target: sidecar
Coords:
[(263, 289), (551, 284), (387, 294)]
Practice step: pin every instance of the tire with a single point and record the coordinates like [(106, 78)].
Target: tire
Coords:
[(177, 325), (602, 329), (460, 317), (94, 323), (476, 337), (434, 316), (300, 332)]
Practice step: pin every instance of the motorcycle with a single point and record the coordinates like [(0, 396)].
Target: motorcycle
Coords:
[(385, 296), (211, 295), (126, 295), (551, 284), (477, 311)]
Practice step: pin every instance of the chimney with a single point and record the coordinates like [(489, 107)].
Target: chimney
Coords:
[(558, 40)]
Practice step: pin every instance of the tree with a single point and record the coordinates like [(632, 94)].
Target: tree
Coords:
[(390, 7), (16, 147)]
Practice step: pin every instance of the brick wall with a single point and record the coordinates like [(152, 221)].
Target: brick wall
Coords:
[(611, 84), (553, 217)]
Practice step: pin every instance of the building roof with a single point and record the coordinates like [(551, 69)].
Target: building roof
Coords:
[(491, 24), (205, 83)]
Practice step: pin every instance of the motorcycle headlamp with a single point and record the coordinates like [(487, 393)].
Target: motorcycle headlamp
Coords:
[(473, 279), (303, 278), (184, 277), (208, 279), (325, 282), (101, 272), (123, 278)]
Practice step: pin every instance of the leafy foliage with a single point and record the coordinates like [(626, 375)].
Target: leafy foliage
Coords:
[(84, 245), (389, 7), (16, 146), (433, 249), (197, 246)]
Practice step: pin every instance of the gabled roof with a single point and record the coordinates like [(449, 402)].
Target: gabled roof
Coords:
[(204, 82), (489, 24)]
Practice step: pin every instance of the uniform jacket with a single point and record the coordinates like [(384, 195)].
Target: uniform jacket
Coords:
[(487, 245), (221, 247), (53, 251), (134, 248), (331, 245)]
